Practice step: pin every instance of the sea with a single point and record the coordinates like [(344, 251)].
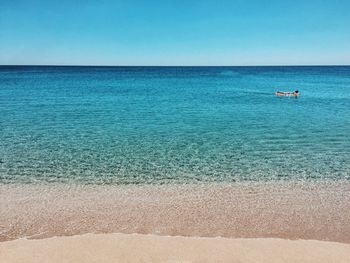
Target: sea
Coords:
[(173, 125)]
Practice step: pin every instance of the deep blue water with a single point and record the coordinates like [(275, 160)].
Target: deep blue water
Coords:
[(173, 124)]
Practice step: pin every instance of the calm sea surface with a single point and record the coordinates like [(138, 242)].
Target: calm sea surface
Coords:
[(173, 124)]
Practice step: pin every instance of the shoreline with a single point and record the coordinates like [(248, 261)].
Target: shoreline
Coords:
[(151, 248), (287, 210)]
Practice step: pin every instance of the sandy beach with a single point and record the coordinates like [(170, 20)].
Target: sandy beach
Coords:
[(314, 210), (241, 222), (149, 248)]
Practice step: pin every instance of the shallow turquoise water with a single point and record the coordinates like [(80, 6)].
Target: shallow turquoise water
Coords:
[(173, 124)]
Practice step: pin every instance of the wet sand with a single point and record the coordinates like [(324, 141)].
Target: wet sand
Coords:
[(148, 248), (298, 210)]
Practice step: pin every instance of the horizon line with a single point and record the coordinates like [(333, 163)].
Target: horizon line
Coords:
[(101, 65)]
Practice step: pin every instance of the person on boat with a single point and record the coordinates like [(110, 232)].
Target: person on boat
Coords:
[(282, 93)]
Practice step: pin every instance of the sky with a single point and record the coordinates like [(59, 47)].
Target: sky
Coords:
[(177, 32)]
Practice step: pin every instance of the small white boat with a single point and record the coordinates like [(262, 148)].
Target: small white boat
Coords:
[(287, 94)]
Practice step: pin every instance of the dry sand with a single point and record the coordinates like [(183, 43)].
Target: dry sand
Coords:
[(266, 215), (149, 248)]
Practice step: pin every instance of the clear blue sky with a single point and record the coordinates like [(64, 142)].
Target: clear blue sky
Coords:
[(164, 32)]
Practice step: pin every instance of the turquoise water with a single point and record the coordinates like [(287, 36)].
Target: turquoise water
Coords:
[(173, 124)]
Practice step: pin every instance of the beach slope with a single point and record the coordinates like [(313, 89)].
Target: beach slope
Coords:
[(150, 248)]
